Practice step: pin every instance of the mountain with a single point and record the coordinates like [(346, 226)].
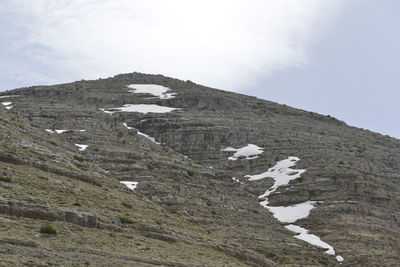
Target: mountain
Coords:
[(209, 178)]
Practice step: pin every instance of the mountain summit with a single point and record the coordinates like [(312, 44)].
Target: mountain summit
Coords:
[(147, 170)]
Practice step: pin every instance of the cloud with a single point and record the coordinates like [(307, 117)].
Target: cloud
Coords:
[(225, 43)]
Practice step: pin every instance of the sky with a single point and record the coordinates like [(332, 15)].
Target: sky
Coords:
[(333, 57)]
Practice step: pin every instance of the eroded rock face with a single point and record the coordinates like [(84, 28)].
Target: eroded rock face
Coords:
[(39, 212), (353, 174)]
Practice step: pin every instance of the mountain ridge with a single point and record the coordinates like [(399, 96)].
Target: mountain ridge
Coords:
[(353, 174)]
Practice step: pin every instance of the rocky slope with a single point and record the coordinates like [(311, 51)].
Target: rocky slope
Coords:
[(187, 209)]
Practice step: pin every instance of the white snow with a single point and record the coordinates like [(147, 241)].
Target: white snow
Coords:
[(130, 185), (128, 127), (61, 131), (152, 139), (141, 108), (5, 96), (7, 105), (106, 111), (282, 173), (249, 152), (292, 213), (310, 238), (339, 258), (81, 147), (152, 89), (236, 180)]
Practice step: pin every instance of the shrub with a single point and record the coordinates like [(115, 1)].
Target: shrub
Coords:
[(41, 158), (323, 261), (12, 151), (78, 158), (149, 166), (77, 203), (173, 176), (270, 254), (6, 179), (191, 173), (125, 219), (126, 204), (51, 142), (48, 229)]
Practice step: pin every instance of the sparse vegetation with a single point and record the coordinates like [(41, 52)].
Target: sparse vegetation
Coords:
[(6, 179), (270, 254), (323, 261), (51, 142), (120, 134), (48, 229), (191, 173), (41, 158), (150, 166), (184, 207), (78, 158), (126, 204), (125, 219)]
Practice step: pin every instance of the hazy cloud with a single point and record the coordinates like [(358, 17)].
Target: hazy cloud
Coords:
[(224, 43)]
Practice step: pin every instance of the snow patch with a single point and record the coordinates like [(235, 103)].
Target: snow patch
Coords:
[(291, 213), (7, 105), (81, 147), (141, 108), (310, 238), (128, 127), (130, 185), (282, 173), (62, 131), (152, 139), (249, 152), (152, 89), (56, 131), (236, 180), (107, 111), (339, 258), (5, 96)]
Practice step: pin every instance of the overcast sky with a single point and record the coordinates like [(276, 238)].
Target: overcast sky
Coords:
[(330, 56)]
